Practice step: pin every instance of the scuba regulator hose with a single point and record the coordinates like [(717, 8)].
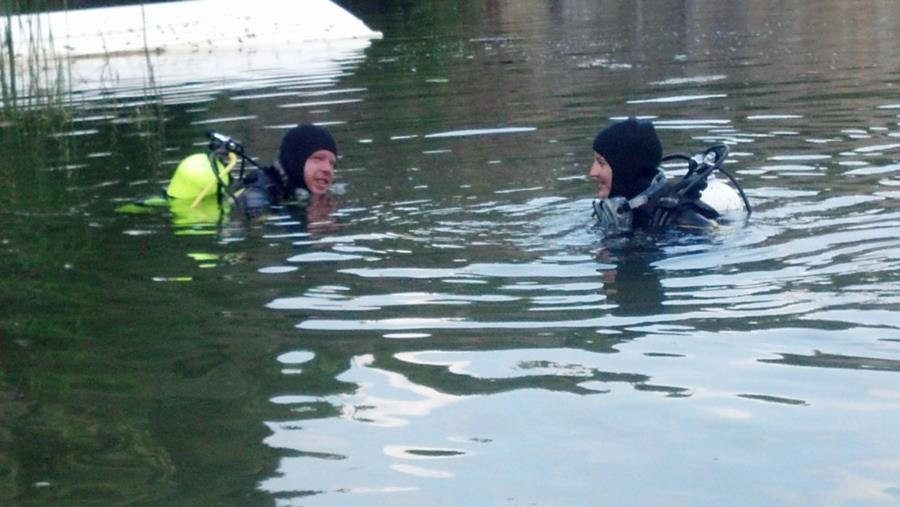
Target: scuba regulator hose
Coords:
[(232, 161), (616, 212), (698, 172), (220, 143)]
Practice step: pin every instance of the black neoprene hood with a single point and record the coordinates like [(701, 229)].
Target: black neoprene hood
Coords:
[(633, 151), (299, 144)]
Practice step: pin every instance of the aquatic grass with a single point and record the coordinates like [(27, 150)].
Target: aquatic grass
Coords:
[(33, 86), (35, 80), (38, 105), (30, 108)]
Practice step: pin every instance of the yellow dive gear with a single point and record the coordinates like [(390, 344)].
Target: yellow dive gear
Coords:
[(194, 178)]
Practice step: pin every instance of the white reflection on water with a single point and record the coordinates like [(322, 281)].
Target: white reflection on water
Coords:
[(480, 132), (384, 401), (523, 435), (517, 363), (679, 98), (418, 471), (376, 302), (323, 257), (864, 171), (484, 270), (393, 403)]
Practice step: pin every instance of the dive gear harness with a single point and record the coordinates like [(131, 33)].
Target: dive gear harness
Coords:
[(616, 213)]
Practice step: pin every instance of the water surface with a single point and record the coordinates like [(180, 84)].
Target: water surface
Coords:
[(451, 329)]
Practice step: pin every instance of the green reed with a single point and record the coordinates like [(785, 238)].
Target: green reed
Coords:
[(33, 90)]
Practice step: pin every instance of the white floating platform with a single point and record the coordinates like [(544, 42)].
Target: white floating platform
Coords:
[(190, 25), (202, 38)]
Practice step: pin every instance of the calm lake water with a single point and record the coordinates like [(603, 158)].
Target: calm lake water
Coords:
[(452, 330)]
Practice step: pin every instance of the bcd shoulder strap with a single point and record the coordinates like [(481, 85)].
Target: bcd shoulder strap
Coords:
[(671, 206)]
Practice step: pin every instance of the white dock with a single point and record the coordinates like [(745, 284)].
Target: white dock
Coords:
[(176, 40)]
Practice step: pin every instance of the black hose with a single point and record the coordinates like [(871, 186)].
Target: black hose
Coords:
[(693, 178), (740, 190)]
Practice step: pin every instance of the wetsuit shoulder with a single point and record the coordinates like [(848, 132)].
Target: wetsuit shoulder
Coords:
[(257, 193)]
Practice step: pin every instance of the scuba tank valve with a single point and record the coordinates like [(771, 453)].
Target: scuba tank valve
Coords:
[(221, 142)]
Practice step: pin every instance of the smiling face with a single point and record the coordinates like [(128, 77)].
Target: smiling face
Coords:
[(602, 173), (318, 173)]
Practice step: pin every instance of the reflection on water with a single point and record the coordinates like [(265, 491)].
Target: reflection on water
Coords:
[(449, 329)]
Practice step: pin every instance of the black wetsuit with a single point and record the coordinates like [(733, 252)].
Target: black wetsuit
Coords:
[(259, 191)]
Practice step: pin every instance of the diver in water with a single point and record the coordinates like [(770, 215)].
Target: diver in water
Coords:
[(303, 171), (633, 192)]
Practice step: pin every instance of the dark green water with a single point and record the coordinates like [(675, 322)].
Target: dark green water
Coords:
[(455, 332)]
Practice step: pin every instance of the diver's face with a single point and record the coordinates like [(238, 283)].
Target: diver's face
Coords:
[(602, 173), (318, 173)]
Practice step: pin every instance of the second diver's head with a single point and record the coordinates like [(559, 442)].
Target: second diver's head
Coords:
[(626, 158), (308, 155)]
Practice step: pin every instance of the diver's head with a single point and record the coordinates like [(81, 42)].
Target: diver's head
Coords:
[(633, 153), (308, 155)]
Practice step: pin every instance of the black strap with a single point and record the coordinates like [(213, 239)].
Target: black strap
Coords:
[(671, 206)]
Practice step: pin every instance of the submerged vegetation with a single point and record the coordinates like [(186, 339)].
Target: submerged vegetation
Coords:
[(34, 104), (34, 101), (32, 78), (35, 81), (42, 120)]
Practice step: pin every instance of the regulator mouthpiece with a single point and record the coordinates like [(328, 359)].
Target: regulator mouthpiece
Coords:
[(613, 214)]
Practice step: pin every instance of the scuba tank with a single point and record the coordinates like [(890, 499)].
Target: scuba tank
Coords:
[(700, 179), (194, 195), (195, 178), (697, 188), (201, 176)]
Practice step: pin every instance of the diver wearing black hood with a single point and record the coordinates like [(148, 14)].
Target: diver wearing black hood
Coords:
[(304, 166), (633, 192)]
